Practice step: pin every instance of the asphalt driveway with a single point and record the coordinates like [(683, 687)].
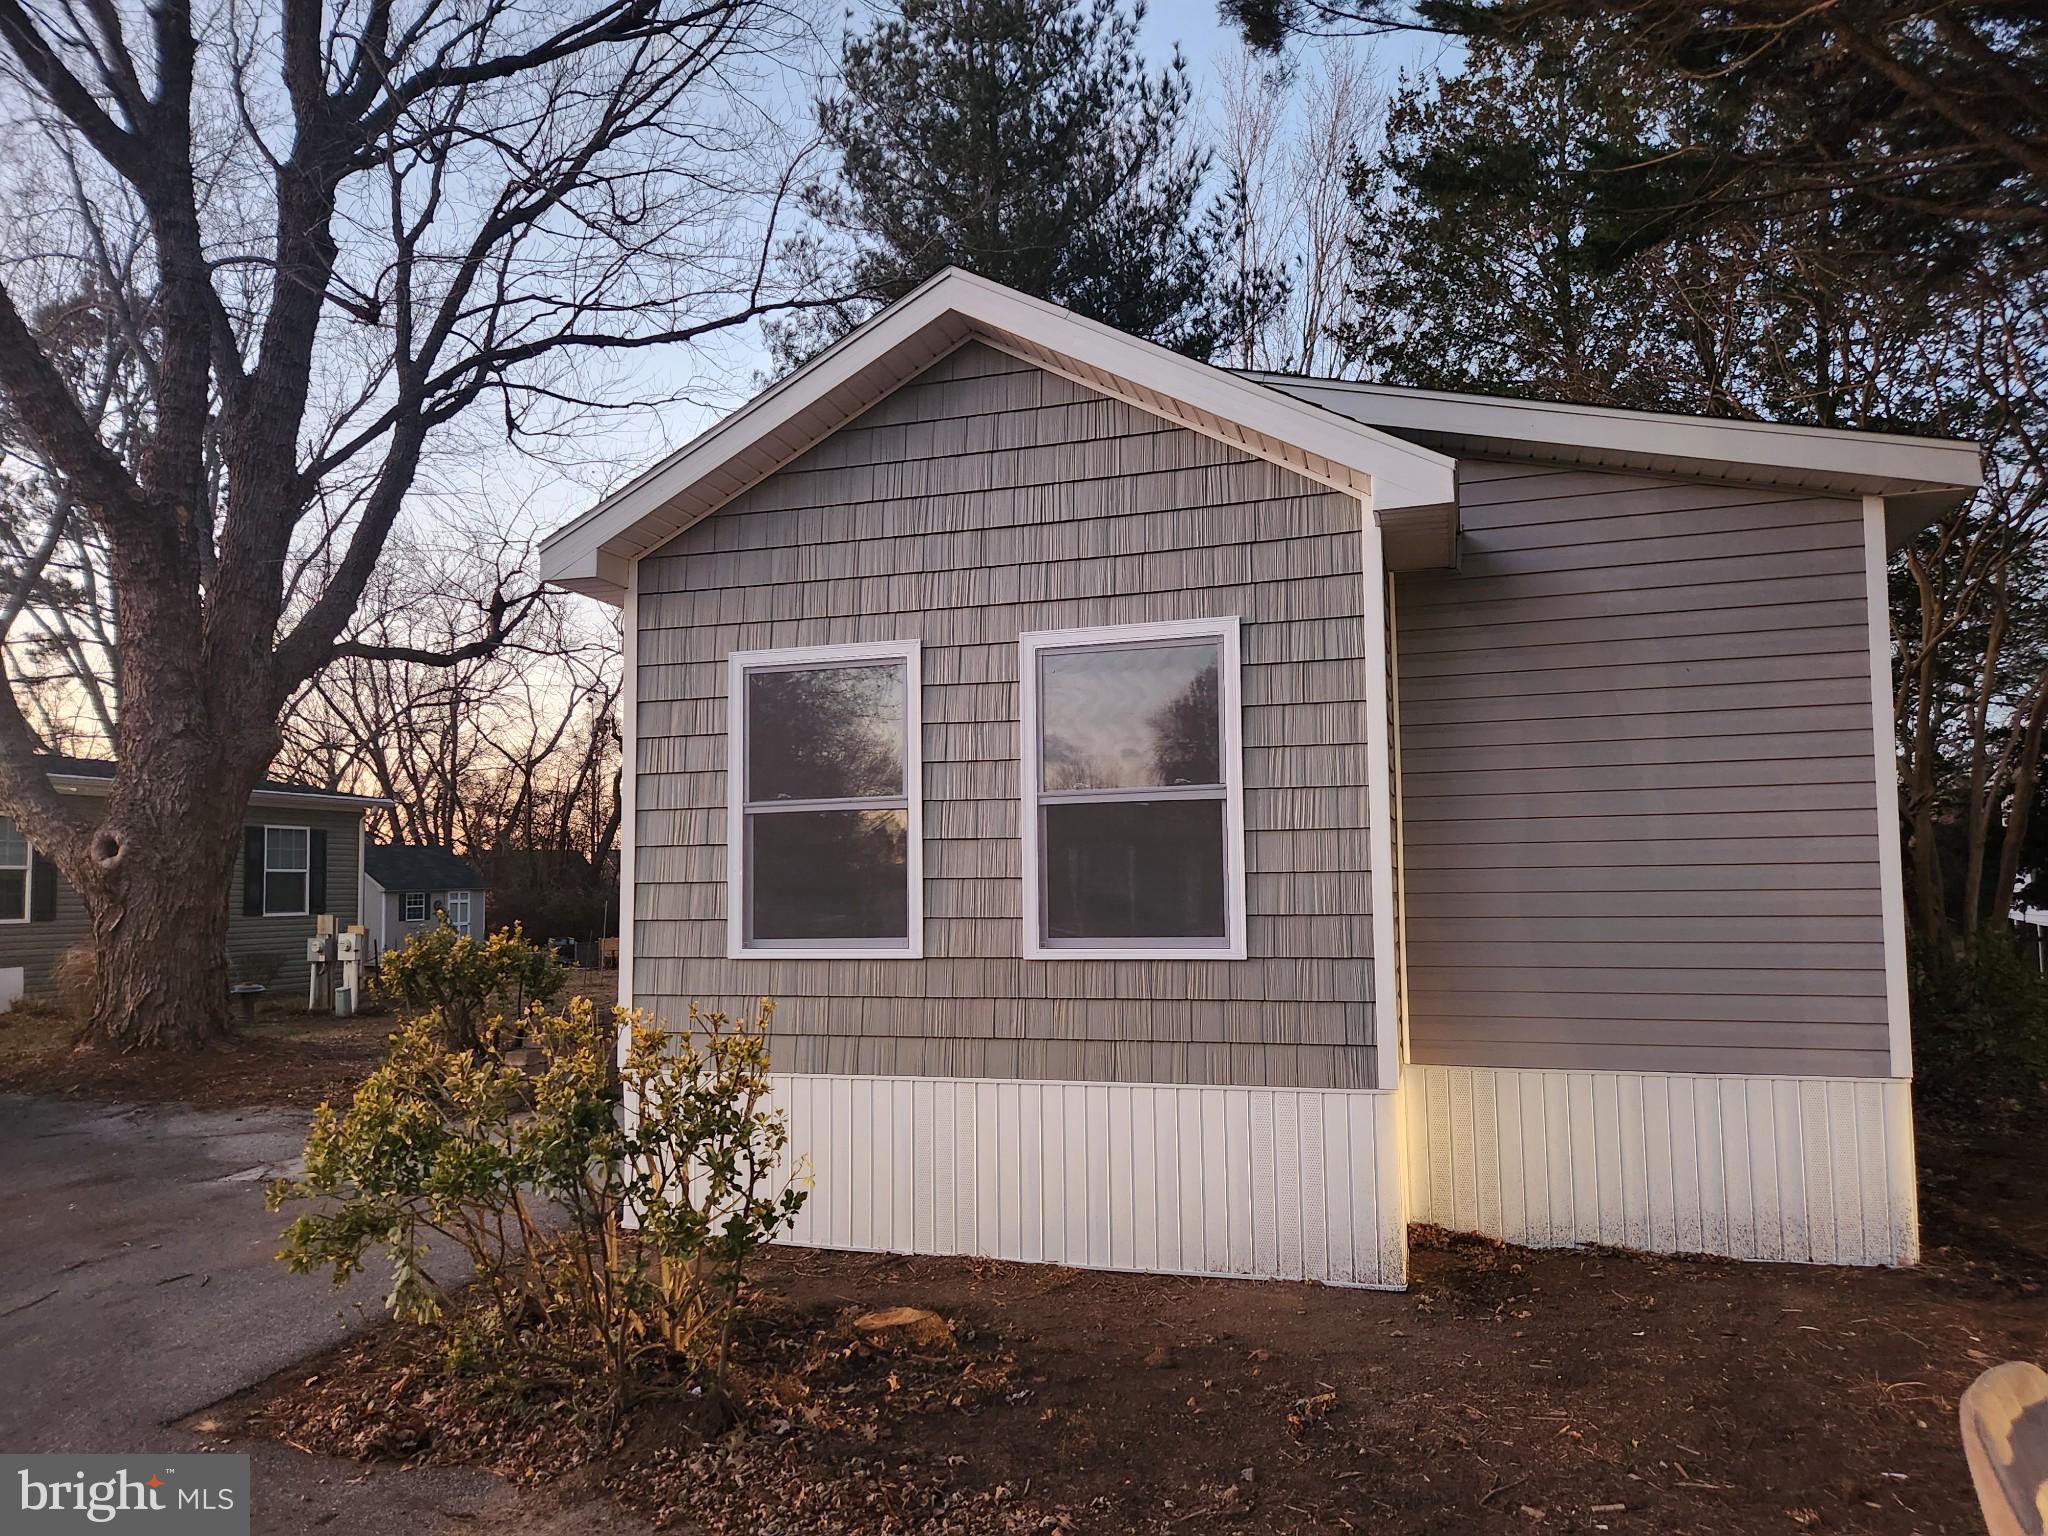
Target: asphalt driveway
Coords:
[(138, 1285)]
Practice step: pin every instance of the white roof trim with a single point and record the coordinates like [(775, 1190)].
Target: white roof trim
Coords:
[(592, 553), (1916, 475)]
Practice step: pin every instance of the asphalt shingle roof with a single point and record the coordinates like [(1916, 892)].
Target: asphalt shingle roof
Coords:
[(404, 867)]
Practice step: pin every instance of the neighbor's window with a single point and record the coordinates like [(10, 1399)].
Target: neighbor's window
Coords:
[(823, 824), (14, 877), (287, 862), (414, 907), (458, 911), (1133, 811)]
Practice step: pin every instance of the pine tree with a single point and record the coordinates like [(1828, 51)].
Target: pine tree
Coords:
[(1026, 141), (1474, 267)]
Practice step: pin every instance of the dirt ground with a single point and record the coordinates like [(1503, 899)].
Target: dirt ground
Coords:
[(287, 1058), (291, 1059), (1507, 1390)]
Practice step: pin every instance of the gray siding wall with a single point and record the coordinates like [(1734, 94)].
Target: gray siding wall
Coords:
[(1640, 803), (271, 950), (397, 930), (982, 500), (35, 946)]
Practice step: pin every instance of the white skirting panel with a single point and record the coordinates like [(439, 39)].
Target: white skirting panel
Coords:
[(1254, 1182), (1809, 1169)]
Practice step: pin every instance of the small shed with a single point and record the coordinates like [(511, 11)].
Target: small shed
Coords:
[(408, 887)]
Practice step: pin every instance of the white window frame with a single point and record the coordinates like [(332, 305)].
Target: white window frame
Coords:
[(448, 907), (304, 871), (28, 878), (738, 665), (405, 912), (1031, 770)]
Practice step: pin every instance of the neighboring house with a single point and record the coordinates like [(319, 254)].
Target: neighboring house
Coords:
[(302, 852), (408, 888), (1203, 822)]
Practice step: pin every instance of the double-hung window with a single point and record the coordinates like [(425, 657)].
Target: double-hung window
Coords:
[(1133, 791), (15, 859), (413, 909), (824, 823), (287, 871)]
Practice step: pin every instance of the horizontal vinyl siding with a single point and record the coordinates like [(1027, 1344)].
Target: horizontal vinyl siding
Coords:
[(35, 947), (1640, 816), (982, 500), (272, 950)]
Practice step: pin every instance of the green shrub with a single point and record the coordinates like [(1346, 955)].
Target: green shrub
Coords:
[(472, 986), (532, 1179), (1980, 1032)]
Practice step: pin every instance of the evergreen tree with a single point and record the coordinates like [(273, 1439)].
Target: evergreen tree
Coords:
[(1474, 268), (1491, 258), (1026, 141)]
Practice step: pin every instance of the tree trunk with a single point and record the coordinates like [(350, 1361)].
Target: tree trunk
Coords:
[(159, 913)]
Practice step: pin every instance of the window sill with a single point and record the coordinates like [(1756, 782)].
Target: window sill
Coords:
[(1135, 952), (742, 952)]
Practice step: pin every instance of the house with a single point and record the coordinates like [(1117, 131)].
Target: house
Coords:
[(1205, 822), (302, 852), (408, 887)]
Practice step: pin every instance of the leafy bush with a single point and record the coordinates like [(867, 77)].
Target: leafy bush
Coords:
[(532, 1179), (473, 987), (1980, 1033)]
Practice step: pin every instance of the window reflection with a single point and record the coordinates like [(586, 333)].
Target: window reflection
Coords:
[(829, 875), (1144, 869), (825, 733), (1135, 717)]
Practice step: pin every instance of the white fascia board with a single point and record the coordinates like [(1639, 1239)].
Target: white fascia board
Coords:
[(590, 554), (1859, 463)]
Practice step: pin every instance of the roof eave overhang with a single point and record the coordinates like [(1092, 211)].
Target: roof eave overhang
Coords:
[(91, 784), (1410, 485), (1919, 478)]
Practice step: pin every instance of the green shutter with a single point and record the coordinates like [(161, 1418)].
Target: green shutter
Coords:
[(316, 872), (42, 889), (252, 872)]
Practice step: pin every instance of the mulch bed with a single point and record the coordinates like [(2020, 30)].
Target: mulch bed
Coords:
[(285, 1059), (1507, 1390), (289, 1058)]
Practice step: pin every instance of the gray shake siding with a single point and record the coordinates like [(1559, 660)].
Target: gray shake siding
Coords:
[(985, 499), (1640, 813)]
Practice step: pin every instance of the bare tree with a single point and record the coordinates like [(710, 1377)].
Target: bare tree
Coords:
[(517, 748), (1287, 139), (352, 226)]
